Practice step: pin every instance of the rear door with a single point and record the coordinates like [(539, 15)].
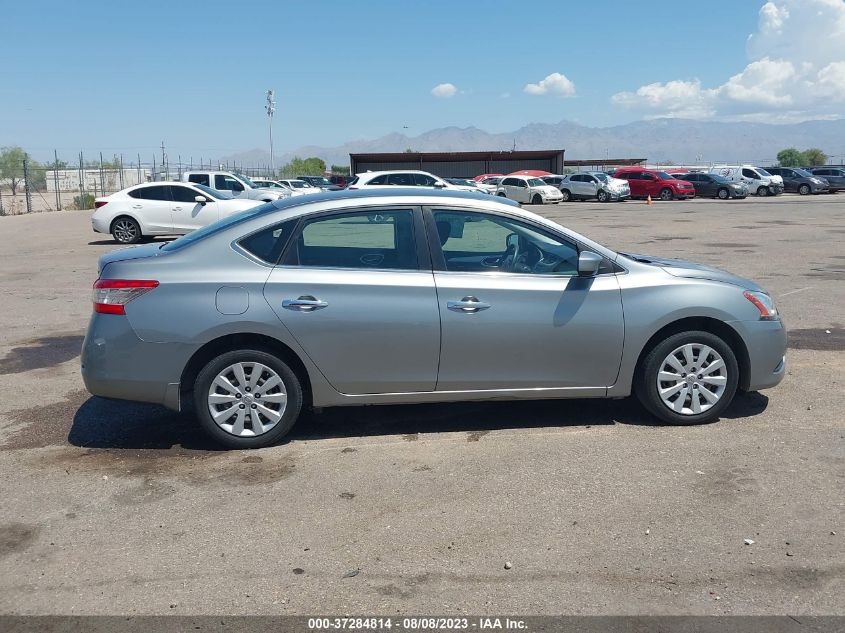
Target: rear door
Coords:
[(637, 185), (151, 205), (187, 213), (356, 290)]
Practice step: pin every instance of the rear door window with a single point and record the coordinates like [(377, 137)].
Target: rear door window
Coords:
[(201, 179), (154, 192), (362, 240)]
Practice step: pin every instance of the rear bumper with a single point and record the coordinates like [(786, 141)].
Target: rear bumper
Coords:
[(117, 364), (99, 226), (766, 343)]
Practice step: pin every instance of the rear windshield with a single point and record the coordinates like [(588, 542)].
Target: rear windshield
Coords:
[(216, 227)]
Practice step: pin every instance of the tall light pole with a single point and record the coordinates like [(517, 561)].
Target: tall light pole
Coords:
[(271, 108)]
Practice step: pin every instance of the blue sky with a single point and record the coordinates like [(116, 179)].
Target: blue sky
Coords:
[(121, 76)]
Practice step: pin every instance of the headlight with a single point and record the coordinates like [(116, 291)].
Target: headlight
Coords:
[(764, 303)]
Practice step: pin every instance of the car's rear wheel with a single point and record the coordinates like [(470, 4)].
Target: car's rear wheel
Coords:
[(566, 196), (688, 378), (603, 196), (126, 230), (763, 192), (247, 399), (501, 195), (804, 190), (537, 199), (723, 193), (666, 194)]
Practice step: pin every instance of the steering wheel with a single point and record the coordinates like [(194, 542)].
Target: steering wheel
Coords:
[(511, 254)]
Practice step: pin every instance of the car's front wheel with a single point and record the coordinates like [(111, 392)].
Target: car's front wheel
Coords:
[(536, 199), (763, 192), (688, 378), (666, 194), (126, 230), (723, 193), (804, 190), (247, 398), (603, 196), (565, 195)]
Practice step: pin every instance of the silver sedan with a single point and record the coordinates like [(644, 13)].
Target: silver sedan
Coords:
[(402, 296)]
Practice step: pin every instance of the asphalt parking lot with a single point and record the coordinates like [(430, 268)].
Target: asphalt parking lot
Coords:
[(119, 508)]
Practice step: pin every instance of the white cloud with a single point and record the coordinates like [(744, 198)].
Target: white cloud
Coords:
[(554, 84), (796, 71), (444, 91)]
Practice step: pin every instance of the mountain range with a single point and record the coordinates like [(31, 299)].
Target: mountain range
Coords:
[(678, 141)]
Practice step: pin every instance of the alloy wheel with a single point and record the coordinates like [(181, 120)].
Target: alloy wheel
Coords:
[(692, 379), (247, 399), (125, 231)]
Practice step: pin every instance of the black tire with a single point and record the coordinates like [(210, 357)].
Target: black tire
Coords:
[(219, 364), (666, 194), (537, 199), (723, 193), (603, 196), (762, 191), (566, 196), (126, 230), (804, 190), (646, 385)]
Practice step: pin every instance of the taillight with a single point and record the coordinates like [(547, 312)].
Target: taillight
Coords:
[(100, 203), (112, 295)]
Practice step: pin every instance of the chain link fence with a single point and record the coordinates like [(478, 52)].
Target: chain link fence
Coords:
[(28, 186)]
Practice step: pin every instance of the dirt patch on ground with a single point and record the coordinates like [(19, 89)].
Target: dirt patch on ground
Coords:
[(15, 537), (41, 353), (728, 245), (44, 425), (817, 339)]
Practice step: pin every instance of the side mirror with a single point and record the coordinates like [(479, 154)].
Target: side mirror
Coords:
[(439, 185), (588, 264), (200, 199)]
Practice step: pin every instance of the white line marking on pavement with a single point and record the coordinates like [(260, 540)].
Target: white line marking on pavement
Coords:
[(792, 292)]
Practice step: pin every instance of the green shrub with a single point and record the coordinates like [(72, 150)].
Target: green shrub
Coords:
[(83, 201)]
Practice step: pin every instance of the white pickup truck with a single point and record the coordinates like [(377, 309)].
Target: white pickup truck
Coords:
[(238, 185)]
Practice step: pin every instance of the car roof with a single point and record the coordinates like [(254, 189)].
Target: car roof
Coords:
[(394, 171)]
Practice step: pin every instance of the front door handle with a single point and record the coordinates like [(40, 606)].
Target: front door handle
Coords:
[(305, 303), (467, 305)]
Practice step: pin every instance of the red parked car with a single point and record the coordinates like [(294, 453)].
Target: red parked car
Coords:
[(657, 184)]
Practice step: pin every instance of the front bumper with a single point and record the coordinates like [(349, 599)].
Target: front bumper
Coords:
[(766, 344), (117, 364)]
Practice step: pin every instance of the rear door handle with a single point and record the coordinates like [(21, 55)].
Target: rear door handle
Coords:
[(305, 303), (467, 305)]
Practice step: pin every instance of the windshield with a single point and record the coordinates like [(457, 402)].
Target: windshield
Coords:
[(762, 172), (601, 176), (663, 175), (247, 181), (321, 181), (535, 182), (212, 193), (462, 182), (298, 184), (804, 172), (720, 179), (216, 227)]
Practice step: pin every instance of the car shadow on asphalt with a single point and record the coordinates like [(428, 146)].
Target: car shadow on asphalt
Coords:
[(101, 423)]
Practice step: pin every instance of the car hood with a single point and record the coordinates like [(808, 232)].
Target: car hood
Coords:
[(130, 252), (694, 270)]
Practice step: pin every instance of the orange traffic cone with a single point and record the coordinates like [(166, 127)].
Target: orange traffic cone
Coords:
[(648, 200)]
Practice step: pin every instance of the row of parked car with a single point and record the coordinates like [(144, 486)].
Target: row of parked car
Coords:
[(202, 197)]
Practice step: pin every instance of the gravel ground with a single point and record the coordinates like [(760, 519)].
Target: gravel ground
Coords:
[(118, 508)]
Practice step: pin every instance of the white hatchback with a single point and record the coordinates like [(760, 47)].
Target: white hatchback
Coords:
[(162, 208), (528, 190)]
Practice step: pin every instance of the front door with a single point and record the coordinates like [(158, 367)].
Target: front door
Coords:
[(357, 292), (187, 213), (514, 314)]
